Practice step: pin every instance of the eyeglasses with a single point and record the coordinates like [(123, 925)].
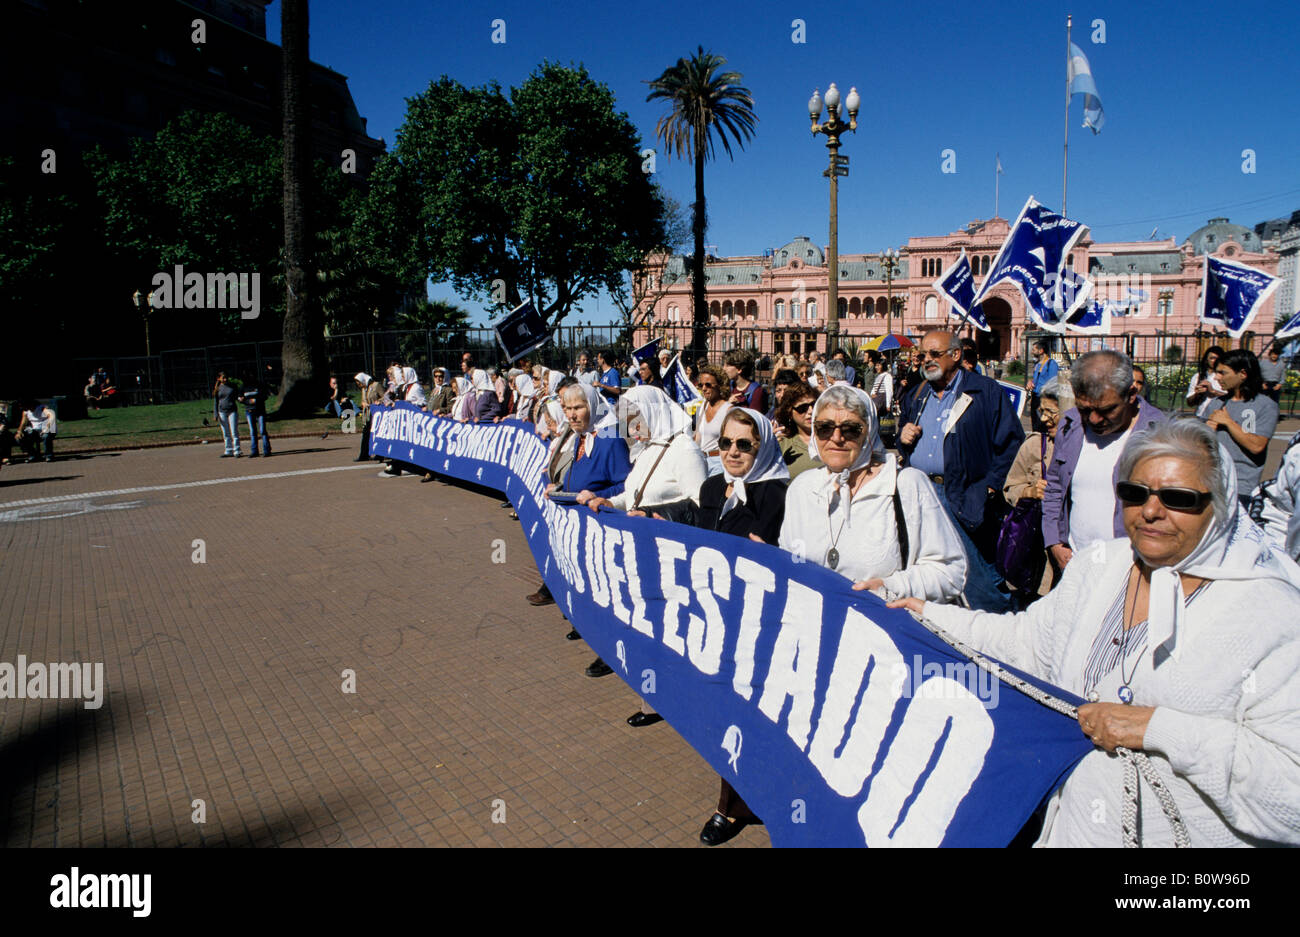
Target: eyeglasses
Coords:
[(1047, 414), (1176, 499), (743, 445), (934, 355), (802, 408), (705, 385), (851, 432)]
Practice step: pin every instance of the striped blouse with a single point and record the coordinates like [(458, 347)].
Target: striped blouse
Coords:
[(1110, 645)]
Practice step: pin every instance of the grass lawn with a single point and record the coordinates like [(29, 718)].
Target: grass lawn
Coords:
[(125, 427)]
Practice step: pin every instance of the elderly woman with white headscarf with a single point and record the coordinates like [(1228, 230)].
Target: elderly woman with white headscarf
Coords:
[(586, 456), (668, 467), (525, 396), (467, 405), (863, 516), (1185, 637)]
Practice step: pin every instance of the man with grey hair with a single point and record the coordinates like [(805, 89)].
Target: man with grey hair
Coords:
[(960, 430), (1080, 506), (836, 373)]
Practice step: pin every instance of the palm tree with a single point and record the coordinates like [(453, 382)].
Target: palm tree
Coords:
[(706, 103)]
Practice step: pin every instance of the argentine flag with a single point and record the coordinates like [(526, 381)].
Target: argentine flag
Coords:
[(1079, 77)]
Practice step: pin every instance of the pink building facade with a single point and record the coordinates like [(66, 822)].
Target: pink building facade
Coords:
[(785, 289)]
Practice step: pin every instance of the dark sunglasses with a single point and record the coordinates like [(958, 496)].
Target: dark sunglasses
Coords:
[(706, 384), (1176, 499), (851, 432), (802, 408), (935, 355), (744, 445)]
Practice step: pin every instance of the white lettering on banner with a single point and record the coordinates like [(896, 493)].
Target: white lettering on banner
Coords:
[(594, 554), (639, 621), (793, 669), (949, 718), (865, 653), (942, 725), (758, 580), (616, 575), (704, 636), (676, 596)]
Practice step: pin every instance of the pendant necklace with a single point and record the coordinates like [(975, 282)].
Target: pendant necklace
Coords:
[(833, 554), (1125, 692)]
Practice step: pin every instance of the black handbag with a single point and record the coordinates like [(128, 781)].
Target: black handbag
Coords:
[(1021, 556)]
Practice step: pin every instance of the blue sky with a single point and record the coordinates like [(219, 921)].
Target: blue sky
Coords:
[(1186, 88)]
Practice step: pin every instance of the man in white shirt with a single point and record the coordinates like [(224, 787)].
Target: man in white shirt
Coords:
[(1080, 506), (584, 372)]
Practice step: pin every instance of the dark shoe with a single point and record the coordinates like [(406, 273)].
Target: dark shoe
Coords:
[(639, 719), (227, 455), (573, 635), (253, 455), (387, 474), (362, 458), (598, 668), (541, 597), (506, 504), (719, 829)]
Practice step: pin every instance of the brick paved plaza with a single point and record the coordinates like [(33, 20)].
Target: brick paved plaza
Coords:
[(223, 679)]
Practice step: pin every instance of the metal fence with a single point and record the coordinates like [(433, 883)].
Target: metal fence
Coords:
[(189, 373)]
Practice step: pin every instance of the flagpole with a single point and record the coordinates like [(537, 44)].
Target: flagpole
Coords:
[(1065, 165), (997, 163)]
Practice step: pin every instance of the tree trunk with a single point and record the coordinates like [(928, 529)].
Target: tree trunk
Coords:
[(302, 354), (699, 220)]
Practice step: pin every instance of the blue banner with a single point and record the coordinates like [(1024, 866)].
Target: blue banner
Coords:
[(1033, 257), (521, 331), (1291, 328), (840, 721), (1231, 294), (647, 351), (958, 284)]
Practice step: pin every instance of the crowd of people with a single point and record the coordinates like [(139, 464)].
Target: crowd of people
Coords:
[(1103, 551)]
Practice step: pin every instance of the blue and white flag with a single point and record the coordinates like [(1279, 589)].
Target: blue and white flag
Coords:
[(1231, 294), (521, 331), (842, 722), (649, 351), (1033, 258), (957, 283), (1079, 76), (678, 384), (1092, 319), (1016, 394), (1291, 328)]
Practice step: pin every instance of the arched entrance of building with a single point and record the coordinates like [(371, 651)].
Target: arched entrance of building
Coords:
[(995, 343)]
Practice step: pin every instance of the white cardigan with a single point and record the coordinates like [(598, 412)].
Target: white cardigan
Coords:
[(868, 542), (1225, 735), (678, 476)]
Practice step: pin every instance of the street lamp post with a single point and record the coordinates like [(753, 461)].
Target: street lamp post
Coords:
[(889, 263), (839, 166)]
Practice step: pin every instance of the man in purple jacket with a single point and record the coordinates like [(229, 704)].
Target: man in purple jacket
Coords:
[(1080, 506)]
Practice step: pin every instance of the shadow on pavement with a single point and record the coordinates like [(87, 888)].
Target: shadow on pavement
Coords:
[(7, 483)]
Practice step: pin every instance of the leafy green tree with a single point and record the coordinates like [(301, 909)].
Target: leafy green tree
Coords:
[(204, 193), (706, 104), (540, 195), (34, 236)]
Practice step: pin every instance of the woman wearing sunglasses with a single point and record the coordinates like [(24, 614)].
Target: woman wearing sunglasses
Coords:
[(794, 428), (747, 500), (1184, 639), (860, 515), (712, 384)]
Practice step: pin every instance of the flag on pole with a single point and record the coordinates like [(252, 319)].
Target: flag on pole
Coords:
[(1291, 328), (1079, 74), (957, 283), (647, 352), (999, 159), (1093, 318), (1231, 294), (1033, 258), (521, 331), (678, 385)]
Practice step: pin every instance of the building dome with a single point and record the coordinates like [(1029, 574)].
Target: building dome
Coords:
[(801, 249), (1218, 231)]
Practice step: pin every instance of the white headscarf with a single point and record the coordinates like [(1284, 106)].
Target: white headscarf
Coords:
[(480, 379), (872, 447), (768, 463), (414, 390), (553, 379), (1231, 548), (362, 378), (525, 391), (663, 417)]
